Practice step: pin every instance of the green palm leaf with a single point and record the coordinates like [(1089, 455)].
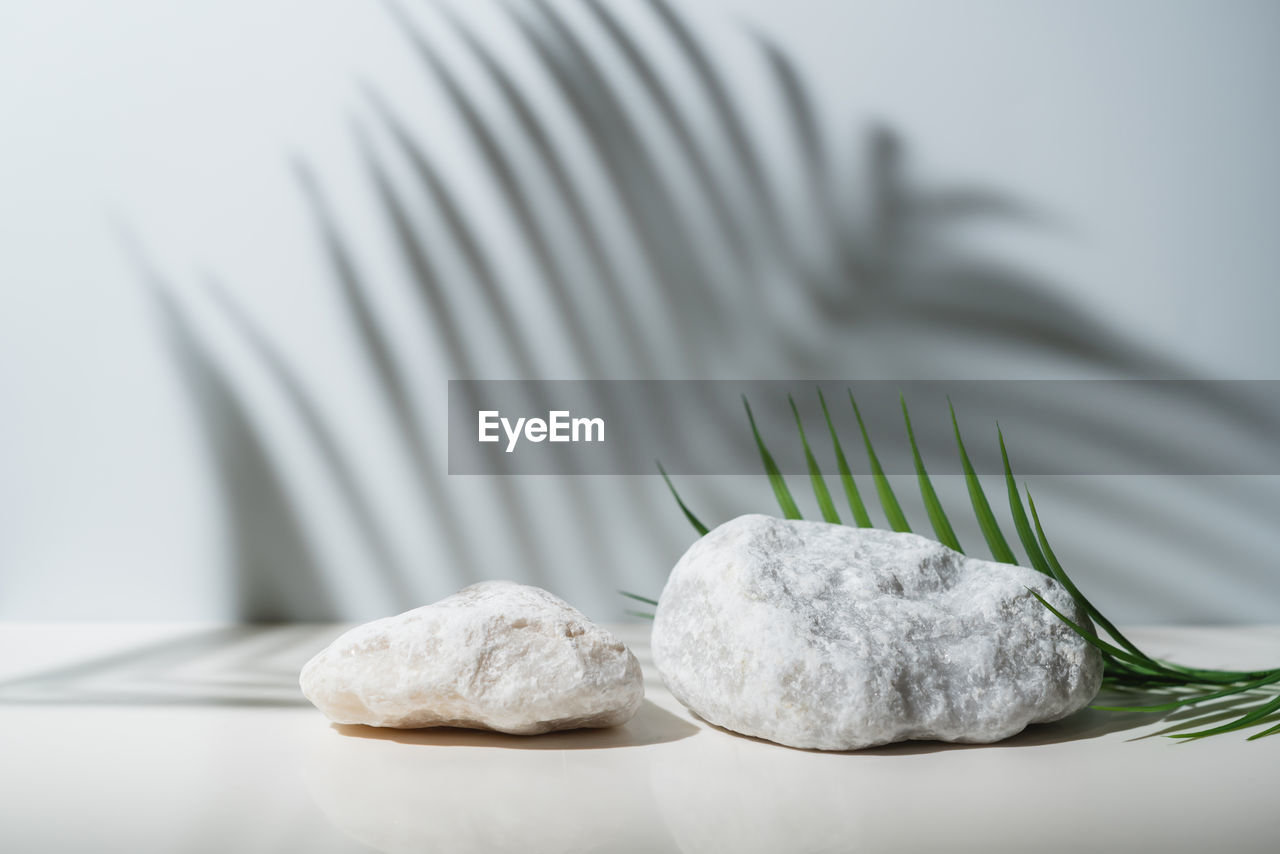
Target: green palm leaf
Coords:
[(1126, 667)]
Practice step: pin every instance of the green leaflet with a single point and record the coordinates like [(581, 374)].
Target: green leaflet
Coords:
[(645, 599), (1020, 522), (1092, 637), (1196, 698), (1056, 570), (688, 514), (856, 507), (991, 532), (888, 501), (780, 491), (820, 492), (1275, 729), (937, 516), (1245, 720)]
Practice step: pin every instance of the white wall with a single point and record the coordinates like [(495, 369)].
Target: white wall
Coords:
[(1143, 132)]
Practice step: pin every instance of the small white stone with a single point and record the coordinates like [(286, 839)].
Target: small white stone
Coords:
[(838, 638), (495, 655)]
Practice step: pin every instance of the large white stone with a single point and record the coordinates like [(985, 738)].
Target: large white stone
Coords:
[(496, 655), (838, 638)]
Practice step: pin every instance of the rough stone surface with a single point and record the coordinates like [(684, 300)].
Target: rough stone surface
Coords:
[(838, 638), (496, 655)]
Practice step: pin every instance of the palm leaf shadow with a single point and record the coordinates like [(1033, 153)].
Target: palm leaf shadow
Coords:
[(323, 438), (895, 264), (238, 666), (275, 574)]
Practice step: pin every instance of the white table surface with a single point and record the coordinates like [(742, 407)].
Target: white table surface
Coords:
[(195, 738)]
